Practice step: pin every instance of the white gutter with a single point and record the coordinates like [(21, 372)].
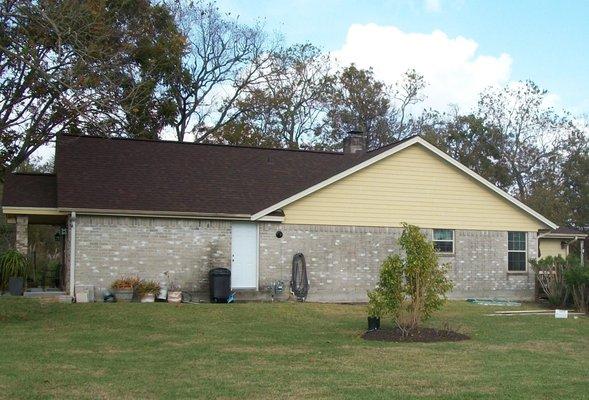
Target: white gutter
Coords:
[(72, 253)]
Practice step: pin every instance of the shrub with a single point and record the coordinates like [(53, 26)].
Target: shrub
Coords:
[(126, 283), (410, 289), (550, 275), (13, 263), (148, 287), (388, 294), (577, 280)]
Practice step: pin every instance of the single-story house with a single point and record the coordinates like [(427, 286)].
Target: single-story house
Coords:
[(161, 209)]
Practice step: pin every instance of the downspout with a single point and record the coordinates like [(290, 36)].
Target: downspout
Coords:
[(72, 253)]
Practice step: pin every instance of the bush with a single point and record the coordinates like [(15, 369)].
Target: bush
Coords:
[(577, 280), (550, 275), (410, 289), (389, 293)]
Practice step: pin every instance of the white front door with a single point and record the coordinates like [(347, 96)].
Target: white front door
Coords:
[(244, 255)]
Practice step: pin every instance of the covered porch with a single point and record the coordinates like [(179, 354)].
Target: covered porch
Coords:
[(41, 231)]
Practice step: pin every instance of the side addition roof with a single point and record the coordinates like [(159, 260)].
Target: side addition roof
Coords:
[(30, 190), (563, 232)]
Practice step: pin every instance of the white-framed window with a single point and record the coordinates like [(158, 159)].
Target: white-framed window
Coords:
[(516, 252), (444, 241)]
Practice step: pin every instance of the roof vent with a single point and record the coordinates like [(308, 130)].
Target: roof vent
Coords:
[(354, 143)]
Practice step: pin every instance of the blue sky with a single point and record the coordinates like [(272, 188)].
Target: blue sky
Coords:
[(489, 42)]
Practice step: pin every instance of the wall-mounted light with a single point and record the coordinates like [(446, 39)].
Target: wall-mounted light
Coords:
[(61, 233)]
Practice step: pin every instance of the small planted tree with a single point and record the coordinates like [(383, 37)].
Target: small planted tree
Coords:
[(410, 289)]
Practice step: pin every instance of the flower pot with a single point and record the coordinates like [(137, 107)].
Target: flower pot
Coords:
[(123, 295), (373, 323), (16, 285), (174, 297), (148, 298)]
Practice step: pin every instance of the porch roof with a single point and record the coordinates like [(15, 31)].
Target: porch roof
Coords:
[(30, 190)]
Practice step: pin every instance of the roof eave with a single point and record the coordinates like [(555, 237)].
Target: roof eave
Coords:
[(563, 236), (155, 214)]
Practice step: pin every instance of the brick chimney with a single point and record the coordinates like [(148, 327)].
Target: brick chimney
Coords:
[(354, 142)]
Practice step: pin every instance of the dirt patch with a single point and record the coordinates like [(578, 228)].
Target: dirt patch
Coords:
[(424, 335)]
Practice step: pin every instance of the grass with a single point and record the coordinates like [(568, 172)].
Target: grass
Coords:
[(280, 350)]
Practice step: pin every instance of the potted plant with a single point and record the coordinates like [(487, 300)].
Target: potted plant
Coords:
[(174, 293), (14, 269), (123, 288), (375, 311), (148, 291), (173, 290)]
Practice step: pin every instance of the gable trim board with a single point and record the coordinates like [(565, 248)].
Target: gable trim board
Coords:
[(394, 150)]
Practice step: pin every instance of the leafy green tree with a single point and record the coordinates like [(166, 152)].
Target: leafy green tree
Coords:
[(242, 134), (410, 289), (358, 101), (532, 134), (288, 107), (562, 190), (96, 67), (575, 172), (467, 139)]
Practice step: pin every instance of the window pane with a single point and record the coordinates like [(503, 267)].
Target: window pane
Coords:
[(516, 240), (516, 261), (443, 247), (443, 234)]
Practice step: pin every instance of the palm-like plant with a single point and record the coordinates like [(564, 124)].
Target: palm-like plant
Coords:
[(13, 263)]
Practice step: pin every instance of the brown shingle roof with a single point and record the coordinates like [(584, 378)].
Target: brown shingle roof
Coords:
[(144, 175), (30, 190), (564, 230)]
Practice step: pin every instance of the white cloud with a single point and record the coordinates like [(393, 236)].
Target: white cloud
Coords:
[(453, 69), (432, 6)]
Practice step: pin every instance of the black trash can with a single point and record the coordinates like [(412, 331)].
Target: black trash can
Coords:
[(220, 284)]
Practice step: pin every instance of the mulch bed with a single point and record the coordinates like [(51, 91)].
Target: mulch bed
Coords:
[(424, 335)]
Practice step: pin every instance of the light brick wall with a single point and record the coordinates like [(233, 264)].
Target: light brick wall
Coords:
[(342, 261), (111, 247), (479, 266)]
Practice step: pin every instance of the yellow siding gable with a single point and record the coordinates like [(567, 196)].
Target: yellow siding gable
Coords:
[(414, 186)]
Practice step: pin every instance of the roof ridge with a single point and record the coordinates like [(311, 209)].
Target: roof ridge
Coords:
[(203, 144)]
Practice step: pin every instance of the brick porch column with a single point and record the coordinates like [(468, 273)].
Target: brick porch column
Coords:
[(22, 234)]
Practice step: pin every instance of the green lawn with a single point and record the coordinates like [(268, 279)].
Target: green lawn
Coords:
[(280, 351)]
